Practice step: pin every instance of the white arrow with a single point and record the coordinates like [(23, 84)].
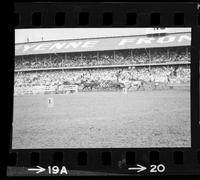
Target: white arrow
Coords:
[(38, 169), (139, 168)]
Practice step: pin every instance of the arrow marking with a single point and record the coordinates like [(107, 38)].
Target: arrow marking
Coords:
[(38, 169), (139, 168)]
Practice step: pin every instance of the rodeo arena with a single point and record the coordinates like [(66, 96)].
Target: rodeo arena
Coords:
[(108, 92)]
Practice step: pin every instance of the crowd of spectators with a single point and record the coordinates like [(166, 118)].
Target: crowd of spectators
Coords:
[(119, 57), (52, 78)]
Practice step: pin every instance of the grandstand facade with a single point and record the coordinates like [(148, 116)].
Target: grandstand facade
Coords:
[(41, 66)]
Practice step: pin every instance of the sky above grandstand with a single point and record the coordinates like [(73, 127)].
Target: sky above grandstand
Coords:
[(21, 35)]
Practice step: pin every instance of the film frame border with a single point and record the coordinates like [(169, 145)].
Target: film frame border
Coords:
[(115, 160)]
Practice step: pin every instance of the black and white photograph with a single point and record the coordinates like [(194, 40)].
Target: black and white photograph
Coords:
[(102, 88)]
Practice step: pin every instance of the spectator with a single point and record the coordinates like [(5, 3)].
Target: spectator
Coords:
[(53, 78), (122, 57)]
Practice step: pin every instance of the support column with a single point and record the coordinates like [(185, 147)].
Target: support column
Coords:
[(97, 55), (149, 56), (149, 60), (35, 60), (22, 60), (66, 59), (187, 52), (168, 53), (81, 56), (62, 62)]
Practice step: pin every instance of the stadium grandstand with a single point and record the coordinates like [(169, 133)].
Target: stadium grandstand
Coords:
[(42, 67)]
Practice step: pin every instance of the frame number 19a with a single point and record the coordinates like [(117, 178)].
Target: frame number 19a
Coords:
[(57, 170)]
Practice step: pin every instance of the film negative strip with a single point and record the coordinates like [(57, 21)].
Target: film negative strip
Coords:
[(105, 89)]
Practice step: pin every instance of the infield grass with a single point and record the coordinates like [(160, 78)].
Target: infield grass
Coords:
[(103, 120)]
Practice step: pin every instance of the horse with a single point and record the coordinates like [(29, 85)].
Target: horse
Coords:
[(89, 85), (66, 83), (117, 85), (70, 83), (138, 83)]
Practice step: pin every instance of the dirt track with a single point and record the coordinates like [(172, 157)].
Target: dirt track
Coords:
[(103, 120)]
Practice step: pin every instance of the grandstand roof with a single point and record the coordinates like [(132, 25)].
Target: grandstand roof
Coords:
[(102, 44)]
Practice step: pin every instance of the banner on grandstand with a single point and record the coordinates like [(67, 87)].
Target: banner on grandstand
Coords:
[(102, 44)]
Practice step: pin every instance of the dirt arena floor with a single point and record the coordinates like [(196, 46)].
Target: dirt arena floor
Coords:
[(103, 120)]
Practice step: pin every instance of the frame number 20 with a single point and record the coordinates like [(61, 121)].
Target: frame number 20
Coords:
[(157, 168)]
